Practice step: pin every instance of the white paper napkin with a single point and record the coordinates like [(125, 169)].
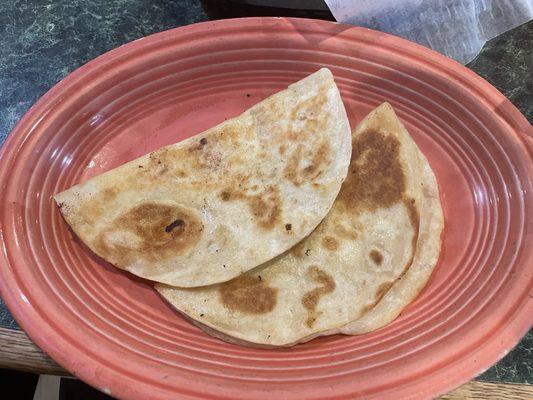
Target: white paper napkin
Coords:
[(456, 28)]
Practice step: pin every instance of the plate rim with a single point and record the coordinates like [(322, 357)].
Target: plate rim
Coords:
[(23, 130)]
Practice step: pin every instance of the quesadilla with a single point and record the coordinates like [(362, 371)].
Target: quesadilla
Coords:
[(360, 267), (218, 204)]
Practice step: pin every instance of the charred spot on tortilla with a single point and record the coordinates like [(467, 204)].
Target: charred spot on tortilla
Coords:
[(376, 256), (174, 224)]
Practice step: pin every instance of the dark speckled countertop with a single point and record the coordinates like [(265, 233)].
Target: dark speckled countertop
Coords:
[(42, 41)]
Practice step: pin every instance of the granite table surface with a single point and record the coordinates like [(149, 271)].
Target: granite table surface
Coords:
[(43, 41)]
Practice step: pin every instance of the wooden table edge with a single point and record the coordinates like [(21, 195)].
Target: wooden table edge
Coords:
[(18, 352)]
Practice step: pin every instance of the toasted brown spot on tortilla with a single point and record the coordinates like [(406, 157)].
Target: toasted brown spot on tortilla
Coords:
[(109, 193), (288, 227), (292, 135), (320, 157), (310, 299), (92, 210), (298, 249), (375, 178), (367, 308), (414, 217), (163, 161), (330, 243), (195, 147), (291, 167), (265, 206), (198, 154), (311, 319), (149, 231), (382, 290), (248, 295), (345, 232), (160, 156), (225, 196), (95, 205), (302, 167), (376, 256), (307, 112), (282, 149)]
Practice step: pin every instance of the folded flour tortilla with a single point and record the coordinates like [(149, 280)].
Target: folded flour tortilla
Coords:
[(363, 264), (215, 205)]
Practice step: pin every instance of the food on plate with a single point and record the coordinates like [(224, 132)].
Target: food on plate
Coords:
[(369, 257), (218, 204)]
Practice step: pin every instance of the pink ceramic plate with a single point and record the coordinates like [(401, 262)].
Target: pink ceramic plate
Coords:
[(113, 331)]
